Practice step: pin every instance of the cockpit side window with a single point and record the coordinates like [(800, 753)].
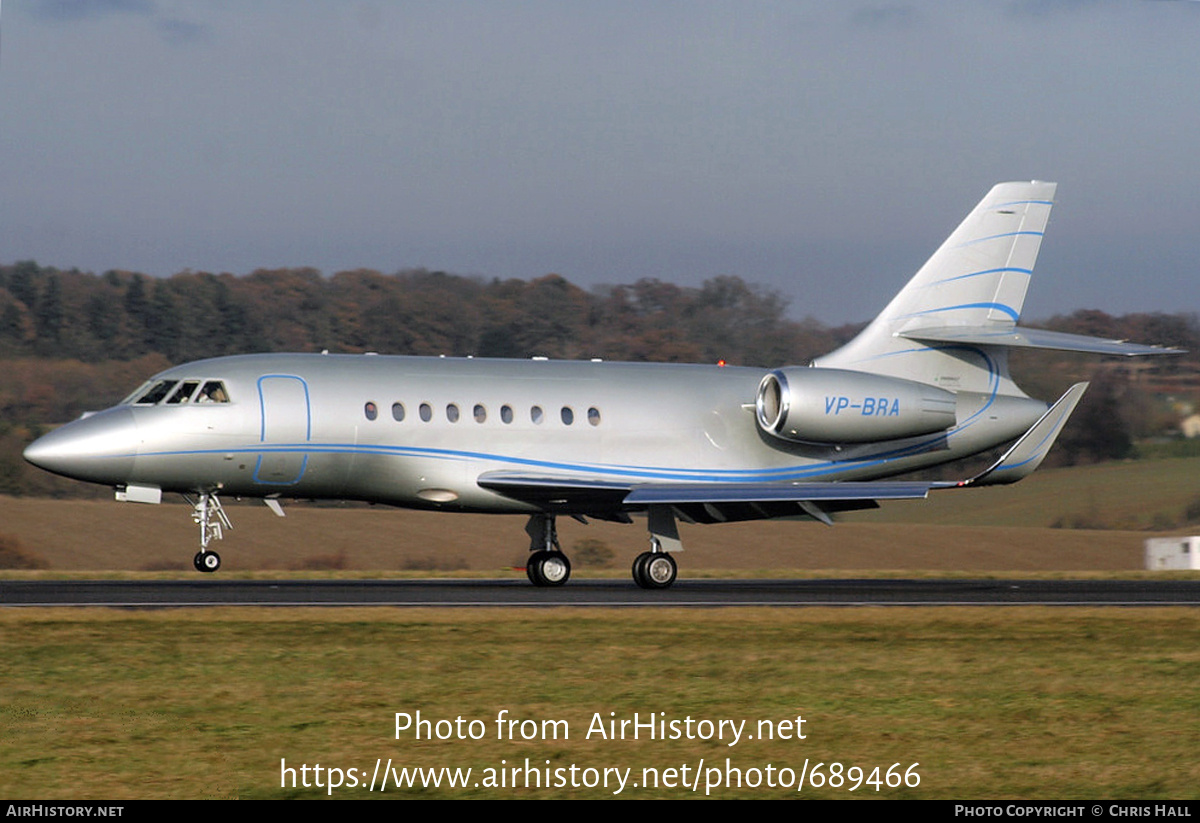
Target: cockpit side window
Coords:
[(184, 393), (213, 392)]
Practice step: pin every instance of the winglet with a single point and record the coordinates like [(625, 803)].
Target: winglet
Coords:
[(1029, 451)]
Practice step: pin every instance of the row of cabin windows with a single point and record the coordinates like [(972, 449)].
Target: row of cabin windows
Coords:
[(480, 413)]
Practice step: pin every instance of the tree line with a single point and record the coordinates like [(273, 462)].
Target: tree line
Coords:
[(71, 341), (45, 312)]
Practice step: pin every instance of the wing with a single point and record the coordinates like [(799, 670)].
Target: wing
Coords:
[(699, 502)]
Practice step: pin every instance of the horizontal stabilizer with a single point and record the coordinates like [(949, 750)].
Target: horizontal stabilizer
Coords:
[(1020, 337), (1029, 451)]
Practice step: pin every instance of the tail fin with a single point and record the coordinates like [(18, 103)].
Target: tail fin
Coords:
[(976, 280)]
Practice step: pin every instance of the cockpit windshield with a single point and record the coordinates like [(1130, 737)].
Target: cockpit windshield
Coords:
[(154, 393), (178, 392)]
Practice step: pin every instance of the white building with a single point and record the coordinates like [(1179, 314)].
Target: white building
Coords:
[(1172, 553)]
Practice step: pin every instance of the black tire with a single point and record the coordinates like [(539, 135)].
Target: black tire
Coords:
[(207, 562), (532, 565), (548, 568), (639, 569)]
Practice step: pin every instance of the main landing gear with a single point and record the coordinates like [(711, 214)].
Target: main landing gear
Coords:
[(208, 513), (547, 566), (655, 569)]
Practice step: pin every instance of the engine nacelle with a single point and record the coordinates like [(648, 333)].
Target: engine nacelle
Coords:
[(814, 405)]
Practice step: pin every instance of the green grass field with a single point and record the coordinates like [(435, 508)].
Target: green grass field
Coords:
[(1133, 495), (991, 703)]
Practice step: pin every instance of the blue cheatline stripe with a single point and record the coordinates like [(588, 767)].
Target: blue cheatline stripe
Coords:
[(822, 469), (998, 236), (1009, 310), (1022, 203), (993, 372), (1043, 445), (981, 273)]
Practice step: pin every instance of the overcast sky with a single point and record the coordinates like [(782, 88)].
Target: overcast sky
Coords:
[(822, 149)]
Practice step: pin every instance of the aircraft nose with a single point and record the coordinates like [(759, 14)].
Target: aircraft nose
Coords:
[(99, 448)]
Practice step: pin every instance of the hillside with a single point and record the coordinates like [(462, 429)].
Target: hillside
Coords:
[(976, 530)]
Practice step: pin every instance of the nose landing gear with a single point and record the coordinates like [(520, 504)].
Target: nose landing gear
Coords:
[(209, 515)]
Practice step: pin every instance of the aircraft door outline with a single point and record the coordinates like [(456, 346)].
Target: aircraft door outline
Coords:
[(286, 425)]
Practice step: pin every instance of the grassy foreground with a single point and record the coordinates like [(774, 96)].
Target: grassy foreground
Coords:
[(992, 703)]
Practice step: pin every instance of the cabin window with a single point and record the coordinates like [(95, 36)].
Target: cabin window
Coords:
[(506, 414), (426, 412), (568, 416), (536, 415), (213, 392), (452, 412), (594, 416), (183, 393), (398, 412), (480, 413), (371, 410)]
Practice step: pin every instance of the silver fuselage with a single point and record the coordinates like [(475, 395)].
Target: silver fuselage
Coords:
[(298, 425)]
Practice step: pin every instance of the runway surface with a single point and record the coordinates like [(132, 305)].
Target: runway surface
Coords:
[(607, 593)]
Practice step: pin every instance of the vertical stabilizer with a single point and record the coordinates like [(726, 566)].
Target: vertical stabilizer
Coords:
[(976, 280)]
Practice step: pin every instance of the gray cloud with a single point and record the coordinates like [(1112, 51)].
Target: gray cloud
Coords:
[(820, 149), (178, 31), (71, 10), (173, 29), (885, 17)]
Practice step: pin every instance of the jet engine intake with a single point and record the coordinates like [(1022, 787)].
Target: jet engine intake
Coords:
[(815, 405)]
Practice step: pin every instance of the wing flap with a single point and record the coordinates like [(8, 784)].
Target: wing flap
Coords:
[(700, 502), (675, 493)]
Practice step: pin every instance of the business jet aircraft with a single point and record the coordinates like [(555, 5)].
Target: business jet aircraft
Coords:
[(925, 383)]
